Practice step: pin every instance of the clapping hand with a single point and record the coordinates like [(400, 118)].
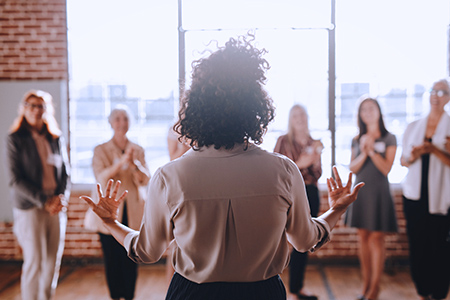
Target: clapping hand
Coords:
[(339, 196), (108, 205)]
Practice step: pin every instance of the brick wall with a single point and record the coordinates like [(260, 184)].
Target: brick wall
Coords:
[(81, 244), (33, 40)]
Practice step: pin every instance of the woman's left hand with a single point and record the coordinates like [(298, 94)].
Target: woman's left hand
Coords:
[(340, 196), (108, 205)]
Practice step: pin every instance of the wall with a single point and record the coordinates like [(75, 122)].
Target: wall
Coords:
[(33, 55)]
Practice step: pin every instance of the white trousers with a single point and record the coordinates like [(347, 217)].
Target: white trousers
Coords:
[(41, 237)]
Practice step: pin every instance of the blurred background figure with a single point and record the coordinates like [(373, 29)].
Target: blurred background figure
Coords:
[(39, 177), (301, 148), (373, 153), (120, 159), (426, 200)]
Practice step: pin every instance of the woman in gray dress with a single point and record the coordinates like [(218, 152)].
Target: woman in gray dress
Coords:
[(373, 153)]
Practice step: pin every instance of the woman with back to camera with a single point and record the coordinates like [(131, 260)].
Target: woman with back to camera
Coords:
[(373, 153), (230, 206), (426, 200), (39, 177), (120, 159), (305, 152)]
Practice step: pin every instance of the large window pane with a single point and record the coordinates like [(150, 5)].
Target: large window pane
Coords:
[(121, 52), (298, 60), (392, 50)]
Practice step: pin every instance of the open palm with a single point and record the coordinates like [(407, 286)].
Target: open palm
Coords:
[(340, 196), (108, 205)]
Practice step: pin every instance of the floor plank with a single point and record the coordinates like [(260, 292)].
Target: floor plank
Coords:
[(329, 282)]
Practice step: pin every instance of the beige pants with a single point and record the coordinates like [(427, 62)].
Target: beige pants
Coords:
[(41, 237)]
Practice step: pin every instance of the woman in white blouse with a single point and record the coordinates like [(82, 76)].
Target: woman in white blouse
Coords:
[(230, 206), (426, 200)]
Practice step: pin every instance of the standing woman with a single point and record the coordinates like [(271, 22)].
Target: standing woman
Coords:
[(426, 200), (39, 177), (301, 148), (373, 153), (121, 159), (227, 197)]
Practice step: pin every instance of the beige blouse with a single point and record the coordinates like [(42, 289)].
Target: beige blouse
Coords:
[(105, 155), (231, 214)]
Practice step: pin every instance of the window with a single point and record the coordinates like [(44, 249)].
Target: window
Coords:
[(121, 52), (127, 52), (394, 51)]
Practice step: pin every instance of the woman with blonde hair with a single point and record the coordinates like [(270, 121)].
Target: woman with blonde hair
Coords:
[(39, 177), (305, 152)]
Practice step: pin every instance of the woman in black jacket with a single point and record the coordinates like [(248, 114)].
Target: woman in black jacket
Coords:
[(39, 177)]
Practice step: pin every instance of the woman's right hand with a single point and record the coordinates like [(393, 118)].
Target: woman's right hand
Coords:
[(127, 157), (107, 206)]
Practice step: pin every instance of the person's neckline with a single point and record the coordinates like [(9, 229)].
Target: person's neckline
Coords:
[(210, 151)]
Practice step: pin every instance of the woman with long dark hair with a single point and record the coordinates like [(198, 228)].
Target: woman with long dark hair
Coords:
[(373, 153)]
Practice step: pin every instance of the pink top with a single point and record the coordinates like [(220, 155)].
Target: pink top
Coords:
[(231, 213), (48, 166), (312, 173)]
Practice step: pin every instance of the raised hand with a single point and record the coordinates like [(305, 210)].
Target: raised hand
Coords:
[(108, 205), (339, 196)]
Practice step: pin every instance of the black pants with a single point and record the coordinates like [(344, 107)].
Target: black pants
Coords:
[(121, 272), (429, 250), (183, 289), (298, 261)]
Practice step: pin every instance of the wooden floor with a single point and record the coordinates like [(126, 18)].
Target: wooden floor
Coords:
[(329, 282)]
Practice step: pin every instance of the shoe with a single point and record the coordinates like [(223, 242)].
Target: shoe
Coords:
[(306, 297)]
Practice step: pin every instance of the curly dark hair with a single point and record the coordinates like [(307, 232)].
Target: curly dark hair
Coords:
[(226, 103)]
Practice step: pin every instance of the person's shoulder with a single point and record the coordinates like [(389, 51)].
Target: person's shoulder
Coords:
[(136, 146), (21, 132), (282, 138), (390, 135), (416, 122), (276, 158), (390, 139), (103, 146)]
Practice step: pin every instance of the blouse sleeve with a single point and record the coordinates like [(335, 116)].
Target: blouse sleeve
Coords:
[(150, 243), (304, 232)]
